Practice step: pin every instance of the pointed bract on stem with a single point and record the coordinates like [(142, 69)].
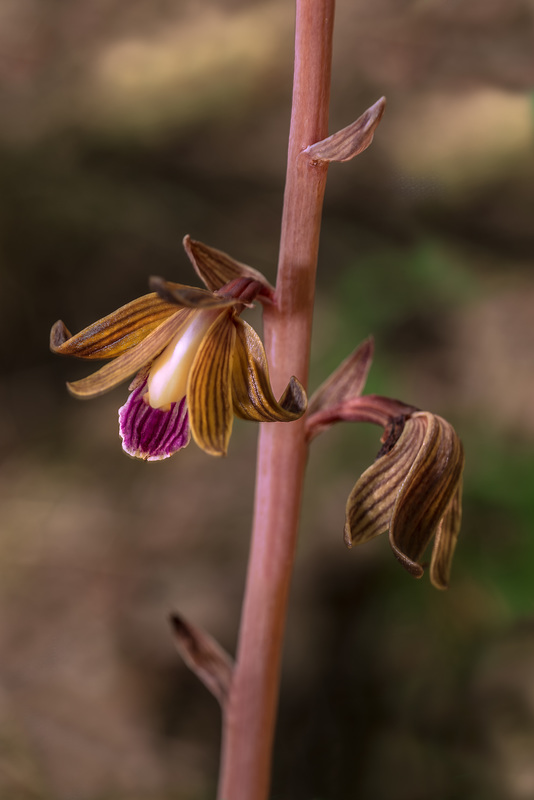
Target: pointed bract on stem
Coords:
[(339, 398), (350, 141), (204, 656), (347, 381)]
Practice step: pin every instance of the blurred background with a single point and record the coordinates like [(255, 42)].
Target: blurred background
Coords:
[(126, 125)]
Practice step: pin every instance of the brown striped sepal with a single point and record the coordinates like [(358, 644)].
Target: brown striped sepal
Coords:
[(216, 268), (414, 492), (127, 364), (111, 336)]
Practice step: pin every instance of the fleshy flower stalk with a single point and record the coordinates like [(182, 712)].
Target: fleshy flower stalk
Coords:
[(197, 364)]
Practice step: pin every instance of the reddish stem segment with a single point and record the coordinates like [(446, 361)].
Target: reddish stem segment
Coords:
[(250, 714)]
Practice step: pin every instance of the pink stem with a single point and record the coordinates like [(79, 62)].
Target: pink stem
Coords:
[(368, 408), (250, 714)]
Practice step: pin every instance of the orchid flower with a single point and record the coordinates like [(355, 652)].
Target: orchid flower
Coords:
[(196, 363), (413, 490)]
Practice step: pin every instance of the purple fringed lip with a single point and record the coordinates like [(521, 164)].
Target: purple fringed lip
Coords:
[(150, 433)]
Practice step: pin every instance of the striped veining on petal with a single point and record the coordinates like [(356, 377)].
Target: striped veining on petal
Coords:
[(445, 541), (110, 375), (216, 268), (116, 333), (209, 395), (371, 502), (149, 433), (429, 488), (252, 395)]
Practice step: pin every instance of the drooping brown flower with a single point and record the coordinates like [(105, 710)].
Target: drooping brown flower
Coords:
[(413, 490)]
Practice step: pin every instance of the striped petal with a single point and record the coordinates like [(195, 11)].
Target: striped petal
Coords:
[(131, 362), (429, 487), (149, 433), (217, 269), (445, 542), (113, 335), (370, 505), (209, 394), (252, 395)]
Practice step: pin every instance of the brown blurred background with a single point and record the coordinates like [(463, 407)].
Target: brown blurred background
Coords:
[(126, 125)]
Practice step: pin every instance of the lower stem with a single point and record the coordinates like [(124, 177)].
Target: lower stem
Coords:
[(250, 715)]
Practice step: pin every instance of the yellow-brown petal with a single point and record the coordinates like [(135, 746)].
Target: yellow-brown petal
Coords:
[(370, 504), (113, 335), (429, 487), (130, 362), (217, 269), (252, 395), (445, 542), (209, 395)]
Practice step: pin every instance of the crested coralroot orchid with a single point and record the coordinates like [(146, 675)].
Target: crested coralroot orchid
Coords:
[(413, 490), (197, 364)]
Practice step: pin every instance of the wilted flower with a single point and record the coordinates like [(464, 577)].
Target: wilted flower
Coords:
[(413, 491), (414, 488), (197, 363)]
